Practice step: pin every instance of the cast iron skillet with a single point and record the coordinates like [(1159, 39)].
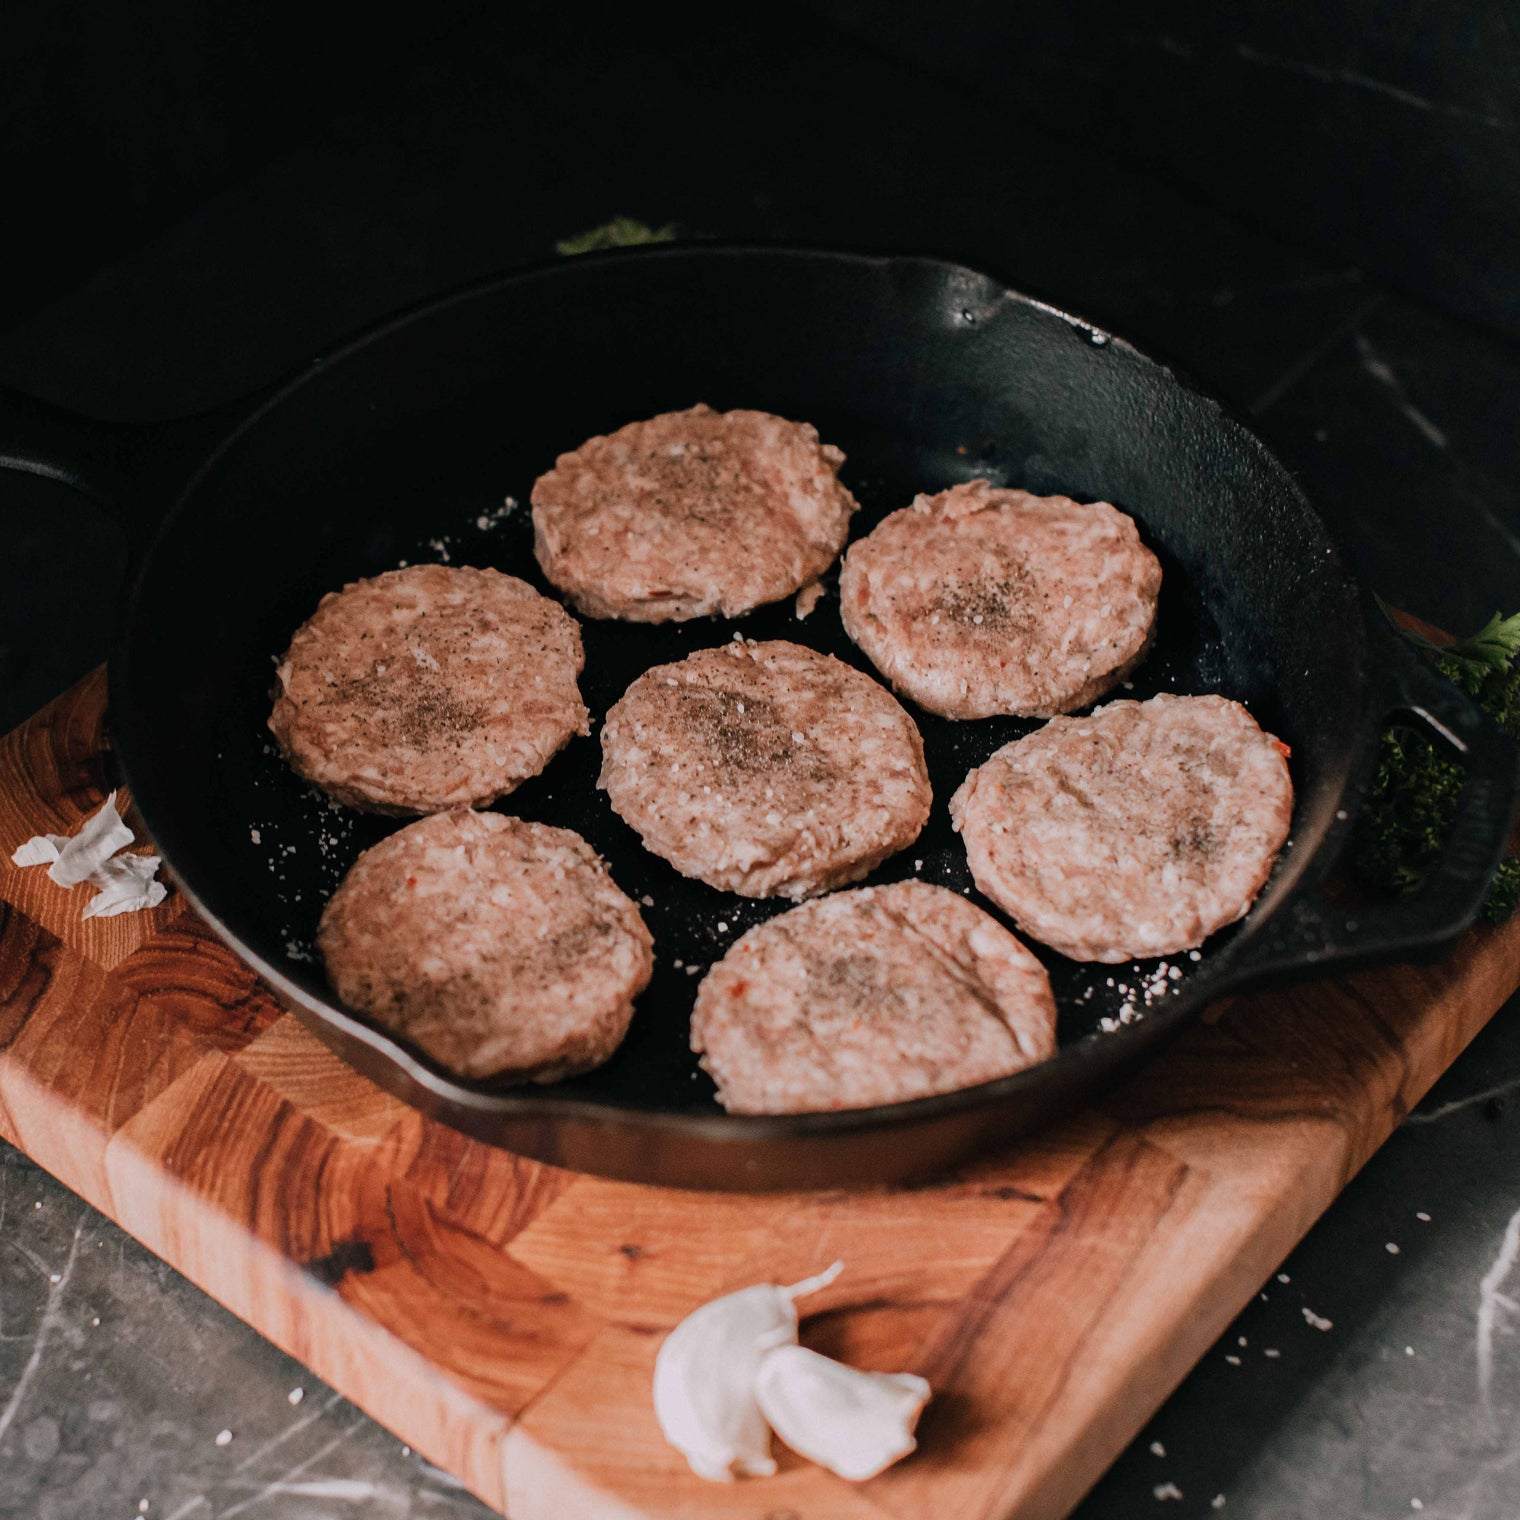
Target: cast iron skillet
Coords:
[(403, 445)]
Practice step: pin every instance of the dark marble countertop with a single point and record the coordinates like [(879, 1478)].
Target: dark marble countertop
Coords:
[(125, 1390)]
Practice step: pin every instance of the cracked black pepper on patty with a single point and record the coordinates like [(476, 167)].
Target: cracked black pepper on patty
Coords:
[(501, 948), (765, 769), (874, 996), (1137, 830), (691, 513), (429, 688), (980, 601)]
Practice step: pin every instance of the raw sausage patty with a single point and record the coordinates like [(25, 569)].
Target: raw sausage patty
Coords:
[(872, 996), (1136, 831), (765, 769), (691, 513), (499, 947), (981, 601), (429, 688)]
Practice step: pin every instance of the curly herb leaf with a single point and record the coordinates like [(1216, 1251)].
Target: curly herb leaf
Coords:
[(1492, 647), (620, 232), (1497, 691), (1409, 808), (1413, 796)]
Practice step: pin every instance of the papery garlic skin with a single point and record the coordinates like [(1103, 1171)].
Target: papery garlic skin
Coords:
[(855, 1423), (39, 850), (126, 886), (100, 836), (704, 1378), (125, 883)]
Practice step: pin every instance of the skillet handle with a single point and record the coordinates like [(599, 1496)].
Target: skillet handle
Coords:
[(1309, 936), (89, 456), (134, 470)]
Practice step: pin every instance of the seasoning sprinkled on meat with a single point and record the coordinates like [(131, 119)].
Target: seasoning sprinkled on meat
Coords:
[(765, 769), (500, 948), (873, 996), (1135, 831), (981, 601), (691, 513), (429, 688)]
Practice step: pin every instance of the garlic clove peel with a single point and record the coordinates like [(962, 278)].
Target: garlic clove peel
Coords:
[(126, 886), (102, 835), (39, 850), (124, 883), (704, 1377), (855, 1423)]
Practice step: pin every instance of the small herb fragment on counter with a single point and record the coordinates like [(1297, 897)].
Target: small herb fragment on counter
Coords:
[(1413, 796), (620, 232), (1503, 891)]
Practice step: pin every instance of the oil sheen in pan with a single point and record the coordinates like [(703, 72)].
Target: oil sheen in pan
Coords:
[(307, 843)]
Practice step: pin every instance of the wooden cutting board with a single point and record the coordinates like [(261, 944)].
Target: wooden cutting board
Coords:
[(503, 1316)]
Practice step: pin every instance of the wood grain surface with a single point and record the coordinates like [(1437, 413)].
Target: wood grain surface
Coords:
[(503, 1316)]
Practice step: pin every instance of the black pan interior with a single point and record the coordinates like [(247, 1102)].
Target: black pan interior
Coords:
[(410, 446)]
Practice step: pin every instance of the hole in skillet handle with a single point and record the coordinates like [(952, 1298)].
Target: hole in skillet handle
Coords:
[(1309, 936)]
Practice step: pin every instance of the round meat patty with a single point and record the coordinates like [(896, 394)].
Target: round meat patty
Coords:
[(429, 688), (873, 996), (691, 513), (981, 601), (1136, 831), (765, 769), (500, 948)]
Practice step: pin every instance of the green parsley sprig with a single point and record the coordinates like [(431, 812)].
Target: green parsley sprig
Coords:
[(620, 232), (1414, 791)]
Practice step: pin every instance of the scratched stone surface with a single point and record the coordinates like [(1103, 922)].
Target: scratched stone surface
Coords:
[(117, 1377), (123, 1385)]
